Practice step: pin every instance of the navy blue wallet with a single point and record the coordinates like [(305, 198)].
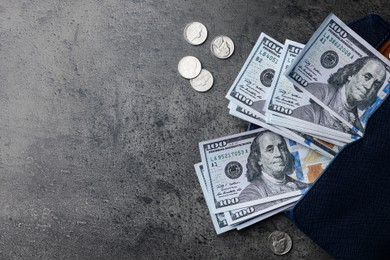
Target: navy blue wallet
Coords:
[(347, 209)]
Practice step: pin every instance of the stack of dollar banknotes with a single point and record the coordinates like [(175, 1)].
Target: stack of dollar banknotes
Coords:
[(309, 101)]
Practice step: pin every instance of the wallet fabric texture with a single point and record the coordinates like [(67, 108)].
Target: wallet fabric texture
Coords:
[(347, 209)]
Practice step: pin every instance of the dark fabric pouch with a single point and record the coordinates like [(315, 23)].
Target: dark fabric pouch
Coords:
[(347, 209)]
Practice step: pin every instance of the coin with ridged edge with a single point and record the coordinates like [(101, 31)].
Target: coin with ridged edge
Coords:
[(222, 47), (195, 33), (280, 242), (203, 82), (189, 67)]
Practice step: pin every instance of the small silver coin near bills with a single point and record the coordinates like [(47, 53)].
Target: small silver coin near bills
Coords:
[(222, 47), (280, 242), (195, 33), (189, 67), (203, 82)]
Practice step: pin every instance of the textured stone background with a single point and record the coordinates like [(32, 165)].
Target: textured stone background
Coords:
[(99, 133)]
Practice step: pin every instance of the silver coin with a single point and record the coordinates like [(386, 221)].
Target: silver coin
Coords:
[(222, 47), (195, 33), (203, 82), (280, 242), (189, 67)]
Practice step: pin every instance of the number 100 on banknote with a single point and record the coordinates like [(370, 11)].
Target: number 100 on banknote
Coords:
[(342, 73), (250, 88), (256, 167)]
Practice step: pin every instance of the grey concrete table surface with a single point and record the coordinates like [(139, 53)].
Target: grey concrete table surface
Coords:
[(99, 133)]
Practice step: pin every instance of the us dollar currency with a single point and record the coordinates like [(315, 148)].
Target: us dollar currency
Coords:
[(219, 220), (325, 148), (346, 77), (281, 168), (233, 217), (266, 215), (286, 98), (250, 88), (298, 126)]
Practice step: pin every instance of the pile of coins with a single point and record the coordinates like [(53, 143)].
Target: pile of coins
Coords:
[(190, 67)]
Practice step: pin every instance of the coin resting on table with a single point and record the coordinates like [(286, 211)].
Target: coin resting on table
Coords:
[(189, 67), (203, 82), (222, 47), (195, 33)]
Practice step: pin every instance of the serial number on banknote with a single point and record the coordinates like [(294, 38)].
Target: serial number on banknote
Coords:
[(268, 56), (225, 156), (337, 44)]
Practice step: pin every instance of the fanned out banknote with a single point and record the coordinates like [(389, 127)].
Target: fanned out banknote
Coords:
[(285, 98), (325, 146), (219, 220), (345, 77), (263, 60), (233, 165), (233, 217), (297, 125), (251, 86), (266, 215)]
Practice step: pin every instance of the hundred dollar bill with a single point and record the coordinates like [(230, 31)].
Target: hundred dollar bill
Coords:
[(219, 220), (345, 77), (240, 215), (321, 147), (286, 98), (250, 88), (257, 167), (329, 143), (297, 126), (271, 213)]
